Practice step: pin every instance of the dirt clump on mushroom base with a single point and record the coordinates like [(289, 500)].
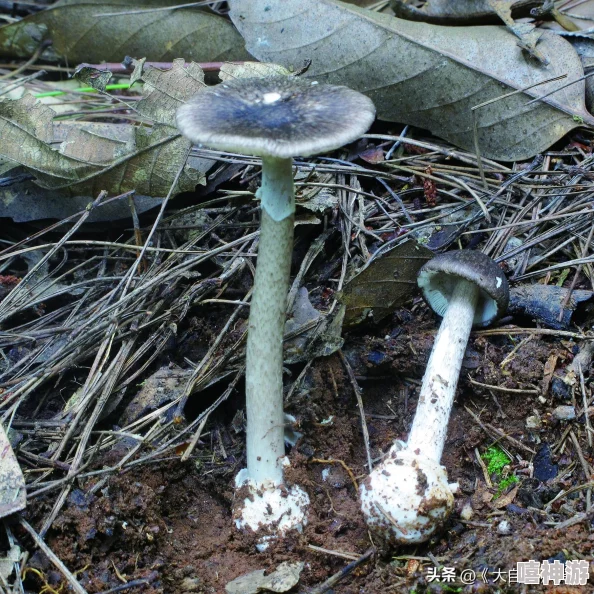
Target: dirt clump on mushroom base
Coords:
[(171, 524)]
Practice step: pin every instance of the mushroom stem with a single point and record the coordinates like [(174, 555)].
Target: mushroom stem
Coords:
[(264, 355), (430, 425), (275, 118), (408, 496)]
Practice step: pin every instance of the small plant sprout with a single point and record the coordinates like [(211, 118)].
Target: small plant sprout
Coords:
[(408, 497), (276, 119)]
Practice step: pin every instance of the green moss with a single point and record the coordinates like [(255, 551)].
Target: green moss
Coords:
[(496, 460), (506, 482)]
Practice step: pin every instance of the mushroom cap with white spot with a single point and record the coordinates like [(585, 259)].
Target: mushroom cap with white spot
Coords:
[(438, 277), (279, 117)]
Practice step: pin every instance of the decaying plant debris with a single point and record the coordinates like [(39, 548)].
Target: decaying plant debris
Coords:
[(122, 356)]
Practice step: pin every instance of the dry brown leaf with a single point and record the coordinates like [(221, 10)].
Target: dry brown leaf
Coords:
[(427, 75), (282, 579), (231, 71), (112, 157), (385, 284), (506, 499), (79, 33)]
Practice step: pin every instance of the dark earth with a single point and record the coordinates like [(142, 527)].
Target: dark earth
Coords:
[(167, 527)]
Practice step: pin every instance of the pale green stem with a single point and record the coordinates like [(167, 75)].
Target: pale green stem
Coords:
[(264, 355)]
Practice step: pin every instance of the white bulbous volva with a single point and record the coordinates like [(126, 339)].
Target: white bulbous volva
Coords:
[(407, 498)]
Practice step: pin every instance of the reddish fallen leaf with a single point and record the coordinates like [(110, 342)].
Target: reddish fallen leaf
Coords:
[(429, 189), (7, 284), (181, 448), (415, 150), (575, 144), (372, 155)]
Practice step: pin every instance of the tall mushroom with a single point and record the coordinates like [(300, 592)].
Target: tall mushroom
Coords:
[(276, 119), (408, 497)]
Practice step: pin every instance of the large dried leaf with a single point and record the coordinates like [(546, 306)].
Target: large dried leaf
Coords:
[(385, 284), (230, 71), (426, 75), (26, 129), (24, 201), (111, 157), (88, 163), (166, 90), (80, 34), (13, 495), (527, 33)]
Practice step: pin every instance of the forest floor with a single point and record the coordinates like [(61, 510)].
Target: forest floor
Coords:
[(170, 524)]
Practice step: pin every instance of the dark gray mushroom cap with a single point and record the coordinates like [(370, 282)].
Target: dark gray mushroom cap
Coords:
[(275, 117), (438, 277)]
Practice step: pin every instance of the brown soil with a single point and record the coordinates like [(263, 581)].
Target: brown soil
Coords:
[(170, 524)]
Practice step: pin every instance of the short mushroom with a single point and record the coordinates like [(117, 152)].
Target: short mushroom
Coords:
[(274, 118), (408, 497)]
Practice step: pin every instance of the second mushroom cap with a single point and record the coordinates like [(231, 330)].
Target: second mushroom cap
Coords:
[(438, 277)]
